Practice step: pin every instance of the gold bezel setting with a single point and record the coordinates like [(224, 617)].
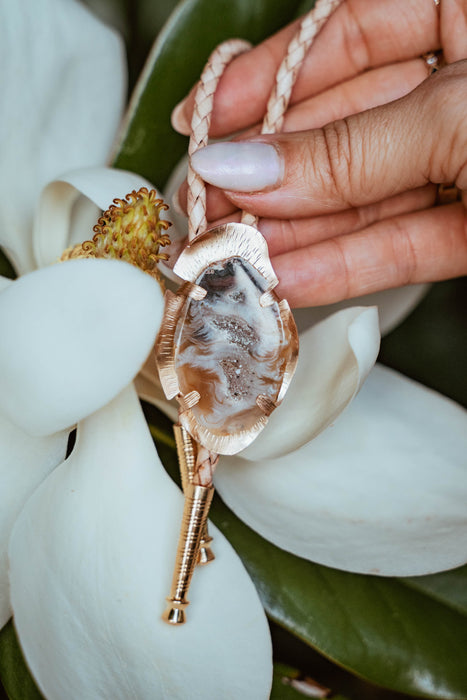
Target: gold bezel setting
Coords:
[(232, 240)]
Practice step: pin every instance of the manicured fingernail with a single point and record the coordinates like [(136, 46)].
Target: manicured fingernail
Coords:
[(246, 166), (179, 120)]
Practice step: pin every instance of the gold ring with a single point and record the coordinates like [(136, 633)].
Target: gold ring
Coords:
[(447, 193), (434, 61)]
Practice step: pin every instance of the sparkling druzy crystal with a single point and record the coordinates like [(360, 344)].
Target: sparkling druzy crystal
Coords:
[(228, 345), (230, 349)]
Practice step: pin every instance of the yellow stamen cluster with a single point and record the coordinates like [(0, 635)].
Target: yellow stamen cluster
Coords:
[(130, 230)]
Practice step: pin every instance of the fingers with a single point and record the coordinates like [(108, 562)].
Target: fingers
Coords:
[(286, 235), (367, 90), (372, 88), (425, 246), (353, 162), (358, 36), (291, 234), (453, 29)]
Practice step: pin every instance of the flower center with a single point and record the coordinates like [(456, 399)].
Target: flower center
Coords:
[(131, 229)]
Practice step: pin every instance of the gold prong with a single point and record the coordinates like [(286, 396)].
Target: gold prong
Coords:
[(206, 555), (192, 290), (265, 404), (189, 400), (196, 292), (267, 298)]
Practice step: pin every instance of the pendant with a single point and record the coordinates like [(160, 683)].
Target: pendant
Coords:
[(228, 346), (226, 350)]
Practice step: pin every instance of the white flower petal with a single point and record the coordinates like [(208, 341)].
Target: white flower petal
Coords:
[(334, 359), (24, 463), (73, 335), (394, 305), (170, 193), (63, 89), (92, 556), (179, 231), (69, 208), (382, 491), (4, 282)]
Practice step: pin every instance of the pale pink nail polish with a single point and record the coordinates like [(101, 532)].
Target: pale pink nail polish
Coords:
[(246, 166)]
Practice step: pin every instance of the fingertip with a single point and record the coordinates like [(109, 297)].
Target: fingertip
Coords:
[(247, 166), (179, 120), (178, 202)]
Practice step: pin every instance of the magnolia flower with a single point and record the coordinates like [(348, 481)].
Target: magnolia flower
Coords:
[(92, 550), (93, 536)]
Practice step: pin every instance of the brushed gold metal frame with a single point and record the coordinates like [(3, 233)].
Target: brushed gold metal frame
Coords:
[(218, 244)]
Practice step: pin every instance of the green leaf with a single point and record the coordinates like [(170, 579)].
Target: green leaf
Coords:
[(407, 635), (149, 145), (289, 684), (6, 268), (16, 679), (430, 345)]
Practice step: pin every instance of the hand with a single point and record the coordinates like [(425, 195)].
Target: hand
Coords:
[(349, 214)]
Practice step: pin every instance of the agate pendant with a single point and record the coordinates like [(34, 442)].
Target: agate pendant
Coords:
[(226, 350), (228, 346)]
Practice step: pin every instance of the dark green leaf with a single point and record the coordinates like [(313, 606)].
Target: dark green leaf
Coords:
[(304, 6), (295, 653), (406, 635), (6, 268), (150, 146), (14, 673), (289, 684), (430, 346)]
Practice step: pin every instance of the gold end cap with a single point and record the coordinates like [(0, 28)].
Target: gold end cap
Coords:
[(206, 555), (175, 612)]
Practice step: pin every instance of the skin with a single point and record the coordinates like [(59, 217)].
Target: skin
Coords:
[(368, 138)]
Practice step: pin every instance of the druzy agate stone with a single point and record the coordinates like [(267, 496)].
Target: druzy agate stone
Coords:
[(228, 344), (229, 348)]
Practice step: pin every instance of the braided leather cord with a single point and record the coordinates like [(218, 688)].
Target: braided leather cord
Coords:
[(200, 123), (288, 71), (277, 105), (273, 122)]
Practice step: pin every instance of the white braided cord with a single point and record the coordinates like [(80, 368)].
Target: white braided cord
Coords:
[(288, 71), (278, 103), (200, 123), (273, 121)]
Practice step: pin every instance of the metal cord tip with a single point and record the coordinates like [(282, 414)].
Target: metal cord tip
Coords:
[(175, 613), (206, 555)]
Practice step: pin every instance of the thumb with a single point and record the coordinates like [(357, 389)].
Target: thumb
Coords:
[(362, 159)]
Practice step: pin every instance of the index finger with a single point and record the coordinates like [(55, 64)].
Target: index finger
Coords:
[(359, 35)]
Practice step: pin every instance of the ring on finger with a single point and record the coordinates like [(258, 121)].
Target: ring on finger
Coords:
[(447, 193), (434, 61)]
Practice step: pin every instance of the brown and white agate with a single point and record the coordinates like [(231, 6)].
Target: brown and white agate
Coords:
[(228, 346)]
